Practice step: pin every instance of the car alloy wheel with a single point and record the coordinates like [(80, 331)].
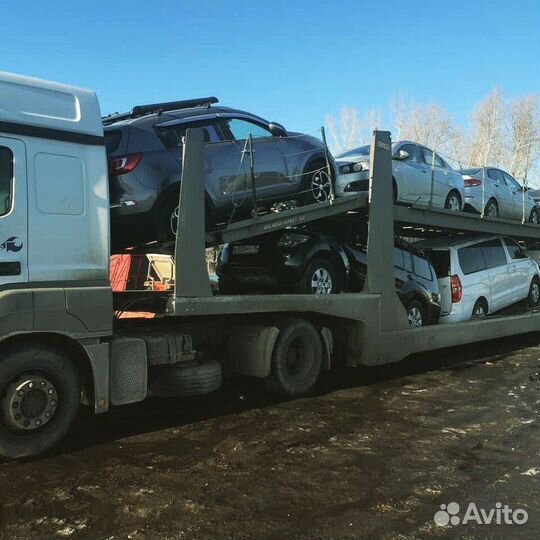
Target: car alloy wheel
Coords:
[(491, 209), (479, 311), (321, 185), (414, 316), (534, 293), (453, 202), (173, 221), (534, 217), (321, 281)]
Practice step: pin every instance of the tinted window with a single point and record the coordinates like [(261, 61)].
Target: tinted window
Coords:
[(240, 130), (421, 268), (112, 140), (495, 175), (494, 254), (173, 137), (513, 249), (6, 180), (398, 258), (361, 151), (471, 259), (440, 259), (411, 149)]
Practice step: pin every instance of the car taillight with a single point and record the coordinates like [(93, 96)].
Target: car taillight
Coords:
[(457, 290), (123, 164), (472, 182)]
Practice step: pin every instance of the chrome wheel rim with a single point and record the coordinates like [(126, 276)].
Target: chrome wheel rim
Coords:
[(321, 282), (479, 312), (29, 402), (321, 185), (453, 203), (173, 222), (414, 316), (491, 210)]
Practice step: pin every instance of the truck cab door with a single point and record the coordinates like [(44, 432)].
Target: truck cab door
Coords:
[(13, 213)]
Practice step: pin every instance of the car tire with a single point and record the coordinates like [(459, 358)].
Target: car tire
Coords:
[(168, 218), (534, 216), (453, 201), (296, 358), (416, 314), (492, 209), (185, 379), (320, 277), (318, 184), (480, 310), (52, 392), (533, 298)]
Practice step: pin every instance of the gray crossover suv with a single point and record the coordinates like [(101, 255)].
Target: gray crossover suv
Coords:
[(144, 148)]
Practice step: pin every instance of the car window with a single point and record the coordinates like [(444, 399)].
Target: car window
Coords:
[(514, 249), (427, 156), (471, 259), (495, 175), (422, 268), (6, 180), (173, 136), (241, 129), (398, 257), (510, 182), (407, 261), (411, 149), (494, 254)]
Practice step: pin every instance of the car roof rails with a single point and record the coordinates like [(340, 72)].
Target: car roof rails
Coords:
[(143, 110)]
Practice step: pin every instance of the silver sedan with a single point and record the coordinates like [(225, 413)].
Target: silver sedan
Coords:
[(498, 194), (419, 176)]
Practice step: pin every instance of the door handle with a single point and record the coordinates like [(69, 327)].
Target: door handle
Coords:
[(10, 268)]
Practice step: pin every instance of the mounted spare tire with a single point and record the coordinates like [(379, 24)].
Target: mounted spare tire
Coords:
[(185, 379)]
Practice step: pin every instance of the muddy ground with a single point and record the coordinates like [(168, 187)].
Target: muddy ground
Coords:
[(372, 454)]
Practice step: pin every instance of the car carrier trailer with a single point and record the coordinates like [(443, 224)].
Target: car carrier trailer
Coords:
[(60, 343)]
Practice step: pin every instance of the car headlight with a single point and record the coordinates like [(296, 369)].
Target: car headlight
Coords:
[(354, 167), (290, 240)]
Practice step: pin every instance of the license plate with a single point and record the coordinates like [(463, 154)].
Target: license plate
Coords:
[(246, 250)]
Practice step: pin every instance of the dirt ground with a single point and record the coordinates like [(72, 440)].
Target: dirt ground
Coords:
[(372, 454)]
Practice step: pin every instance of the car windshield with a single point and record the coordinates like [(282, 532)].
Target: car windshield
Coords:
[(360, 151)]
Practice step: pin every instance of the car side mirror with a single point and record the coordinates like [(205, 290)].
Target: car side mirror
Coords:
[(402, 155), (277, 130)]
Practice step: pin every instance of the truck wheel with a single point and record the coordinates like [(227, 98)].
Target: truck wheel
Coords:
[(40, 393), (186, 379), (296, 359)]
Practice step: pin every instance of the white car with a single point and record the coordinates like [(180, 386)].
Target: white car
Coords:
[(412, 167), (481, 276), (503, 196)]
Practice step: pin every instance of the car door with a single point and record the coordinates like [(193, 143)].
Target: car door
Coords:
[(519, 267), (272, 177), (13, 213), (437, 187), (501, 277), (502, 193), (517, 195), (410, 174)]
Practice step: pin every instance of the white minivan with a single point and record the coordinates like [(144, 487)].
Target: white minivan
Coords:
[(481, 275)]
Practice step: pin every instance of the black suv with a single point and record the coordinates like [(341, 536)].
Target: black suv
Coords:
[(144, 149), (326, 257)]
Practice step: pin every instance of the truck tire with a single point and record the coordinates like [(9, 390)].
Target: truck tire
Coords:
[(40, 393), (296, 358), (188, 379)]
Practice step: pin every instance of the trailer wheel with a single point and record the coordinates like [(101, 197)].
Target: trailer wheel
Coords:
[(186, 379), (296, 359), (40, 393)]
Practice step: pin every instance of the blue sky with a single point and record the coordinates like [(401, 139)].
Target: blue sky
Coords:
[(289, 61)]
